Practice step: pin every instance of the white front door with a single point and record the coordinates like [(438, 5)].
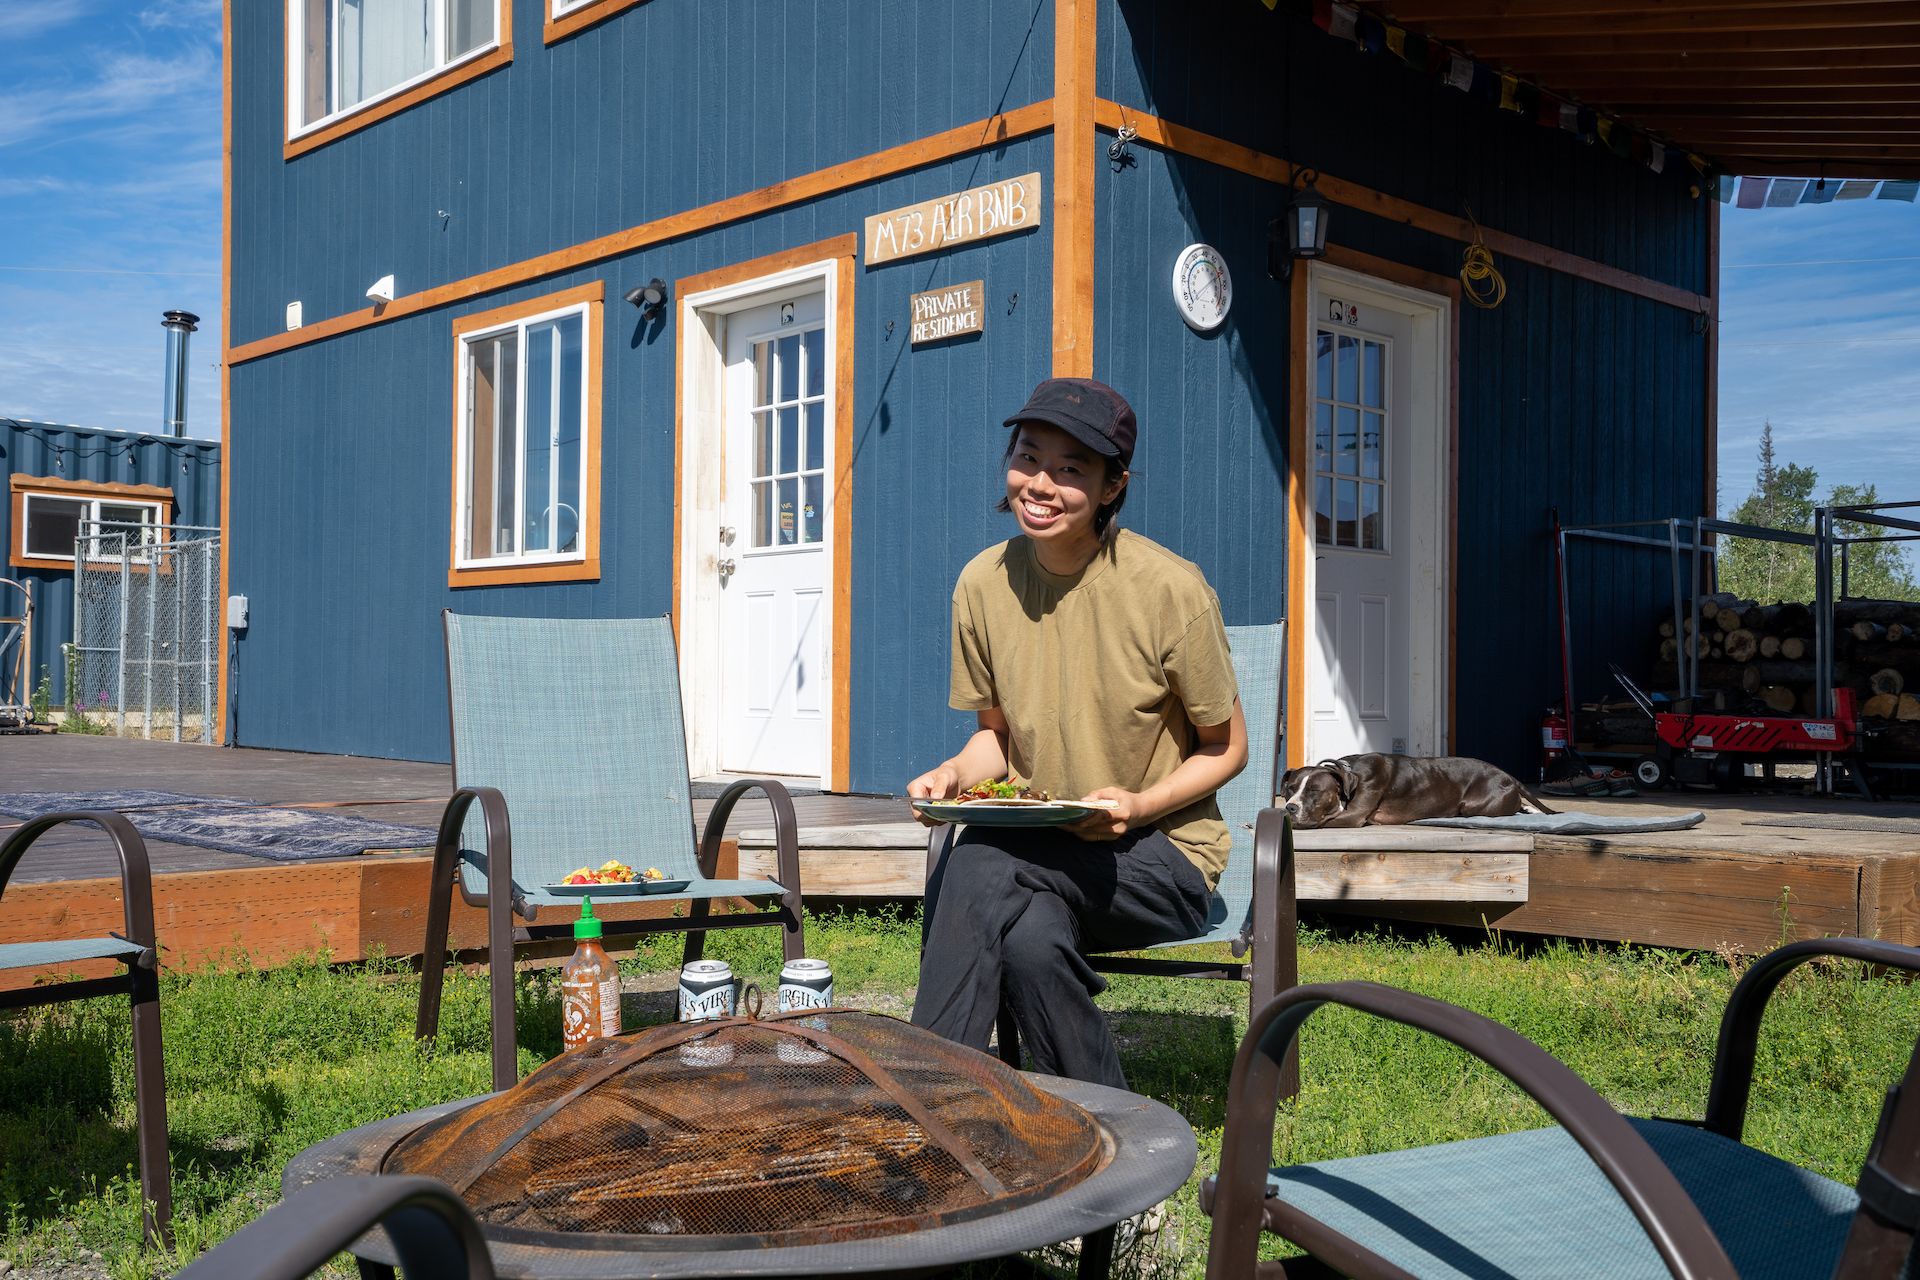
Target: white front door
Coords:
[(774, 610), (1377, 490)]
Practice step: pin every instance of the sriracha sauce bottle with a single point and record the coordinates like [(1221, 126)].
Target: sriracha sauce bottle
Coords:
[(589, 986)]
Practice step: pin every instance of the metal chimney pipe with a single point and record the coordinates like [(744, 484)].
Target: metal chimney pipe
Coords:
[(173, 411)]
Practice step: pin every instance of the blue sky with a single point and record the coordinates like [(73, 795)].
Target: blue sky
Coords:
[(110, 214), (109, 206)]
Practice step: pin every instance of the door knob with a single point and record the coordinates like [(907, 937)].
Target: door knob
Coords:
[(726, 568), (726, 535)]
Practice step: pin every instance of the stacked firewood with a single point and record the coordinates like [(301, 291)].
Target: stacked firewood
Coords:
[(1766, 653)]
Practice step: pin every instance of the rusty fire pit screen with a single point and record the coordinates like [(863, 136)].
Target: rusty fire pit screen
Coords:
[(793, 1129)]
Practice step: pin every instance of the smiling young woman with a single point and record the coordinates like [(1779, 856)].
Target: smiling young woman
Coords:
[(1096, 662)]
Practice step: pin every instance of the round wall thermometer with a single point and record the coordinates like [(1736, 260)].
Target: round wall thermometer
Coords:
[(1202, 288)]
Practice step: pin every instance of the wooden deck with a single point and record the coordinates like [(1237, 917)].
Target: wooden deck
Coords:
[(1728, 882)]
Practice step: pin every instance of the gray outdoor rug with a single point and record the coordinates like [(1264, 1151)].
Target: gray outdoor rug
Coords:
[(35, 804), (282, 835), (1842, 822), (232, 826), (1571, 824)]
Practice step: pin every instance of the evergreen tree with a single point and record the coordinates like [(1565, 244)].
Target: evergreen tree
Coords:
[(1783, 498)]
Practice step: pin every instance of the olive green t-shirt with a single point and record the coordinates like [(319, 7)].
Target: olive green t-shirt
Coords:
[(1101, 675)]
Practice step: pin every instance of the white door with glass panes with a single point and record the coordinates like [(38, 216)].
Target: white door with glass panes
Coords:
[(1373, 610), (775, 697), (1359, 658)]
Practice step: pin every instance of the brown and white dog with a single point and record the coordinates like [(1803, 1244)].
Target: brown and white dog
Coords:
[(1356, 790)]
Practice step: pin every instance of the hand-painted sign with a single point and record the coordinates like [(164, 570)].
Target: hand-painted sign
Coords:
[(948, 313), (1012, 204)]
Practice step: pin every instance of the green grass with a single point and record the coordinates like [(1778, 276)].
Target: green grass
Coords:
[(260, 1064)]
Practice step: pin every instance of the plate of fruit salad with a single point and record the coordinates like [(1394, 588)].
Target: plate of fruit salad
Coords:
[(613, 877), (1007, 803)]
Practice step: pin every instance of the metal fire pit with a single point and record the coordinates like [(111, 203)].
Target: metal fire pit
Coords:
[(822, 1143)]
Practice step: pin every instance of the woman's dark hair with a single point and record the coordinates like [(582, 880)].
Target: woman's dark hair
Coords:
[(1103, 525)]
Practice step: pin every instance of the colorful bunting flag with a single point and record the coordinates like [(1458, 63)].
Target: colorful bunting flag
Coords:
[(1323, 14), (1371, 33), (1459, 72), (1753, 192), (1397, 42), (1570, 117), (1820, 192), (1419, 52), (1345, 17), (1856, 189), (1902, 189), (1509, 88), (1785, 192)]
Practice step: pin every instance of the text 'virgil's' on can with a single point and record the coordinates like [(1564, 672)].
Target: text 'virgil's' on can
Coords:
[(804, 984), (706, 991)]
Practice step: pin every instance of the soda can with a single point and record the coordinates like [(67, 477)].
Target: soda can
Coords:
[(804, 984), (706, 991)]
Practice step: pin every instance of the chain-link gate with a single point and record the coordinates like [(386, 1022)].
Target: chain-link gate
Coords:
[(146, 630)]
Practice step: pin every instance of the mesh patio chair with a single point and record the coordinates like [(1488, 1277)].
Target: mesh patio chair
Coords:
[(429, 1227), (1253, 908), (574, 728), (135, 948), (1599, 1194)]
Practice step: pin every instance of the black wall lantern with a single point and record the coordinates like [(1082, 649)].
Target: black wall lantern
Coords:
[(1300, 232)]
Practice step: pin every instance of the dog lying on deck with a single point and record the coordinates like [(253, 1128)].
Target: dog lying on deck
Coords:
[(1356, 790)]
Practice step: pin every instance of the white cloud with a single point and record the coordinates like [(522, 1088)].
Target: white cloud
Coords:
[(189, 14), (117, 86)]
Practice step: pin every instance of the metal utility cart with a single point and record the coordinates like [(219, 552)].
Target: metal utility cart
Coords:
[(1696, 746)]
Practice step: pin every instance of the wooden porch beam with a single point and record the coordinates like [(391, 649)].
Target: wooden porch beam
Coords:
[(1838, 65), (1838, 170), (1722, 137), (1895, 114), (1840, 41), (1451, 11), (1073, 174), (1654, 20)]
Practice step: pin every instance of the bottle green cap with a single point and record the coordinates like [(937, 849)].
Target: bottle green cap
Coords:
[(587, 926)]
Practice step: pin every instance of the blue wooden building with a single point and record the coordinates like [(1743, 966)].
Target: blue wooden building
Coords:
[(598, 308), (59, 476)]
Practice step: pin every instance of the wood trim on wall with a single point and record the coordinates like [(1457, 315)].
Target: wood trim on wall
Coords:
[(1299, 536), (374, 112), (1270, 168), (552, 28), (18, 487), (844, 251), (1074, 44), (967, 138), (587, 568)]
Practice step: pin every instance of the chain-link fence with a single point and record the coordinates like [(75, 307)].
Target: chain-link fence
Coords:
[(146, 630)]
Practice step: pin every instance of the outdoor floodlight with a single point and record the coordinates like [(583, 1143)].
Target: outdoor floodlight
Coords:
[(380, 292), (650, 297), (1300, 232)]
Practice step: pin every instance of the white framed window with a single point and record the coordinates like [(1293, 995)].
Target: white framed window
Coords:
[(527, 433), (51, 522), (345, 54), (560, 8)]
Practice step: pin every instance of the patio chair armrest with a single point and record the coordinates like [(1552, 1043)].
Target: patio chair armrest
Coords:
[(446, 845), (1655, 1197), (786, 832), (1733, 1055), (431, 1230), (136, 871), (1274, 907)]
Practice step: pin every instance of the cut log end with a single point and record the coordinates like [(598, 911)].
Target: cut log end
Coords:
[(1886, 680)]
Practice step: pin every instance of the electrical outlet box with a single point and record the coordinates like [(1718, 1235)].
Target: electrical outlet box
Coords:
[(236, 613), (296, 315)]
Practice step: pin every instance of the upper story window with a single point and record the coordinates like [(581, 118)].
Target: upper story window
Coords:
[(526, 442), (564, 17), (49, 514), (344, 55)]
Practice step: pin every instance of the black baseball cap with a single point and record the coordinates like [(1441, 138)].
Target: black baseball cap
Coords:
[(1091, 412)]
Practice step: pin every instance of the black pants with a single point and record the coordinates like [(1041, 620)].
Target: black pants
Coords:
[(1009, 914)]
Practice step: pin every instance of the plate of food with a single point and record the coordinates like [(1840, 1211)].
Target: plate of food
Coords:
[(1007, 803), (614, 878)]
